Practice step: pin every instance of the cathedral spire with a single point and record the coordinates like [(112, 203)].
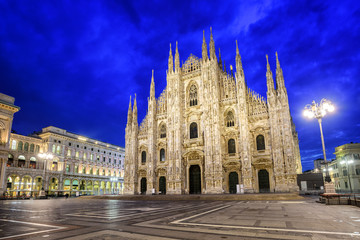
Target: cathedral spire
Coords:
[(239, 67), (171, 62), (135, 121), (220, 61), (177, 59), (269, 77), (212, 46), (129, 117), (204, 48), (152, 86), (279, 74)]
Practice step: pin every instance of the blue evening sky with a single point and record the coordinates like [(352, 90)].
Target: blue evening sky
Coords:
[(74, 64)]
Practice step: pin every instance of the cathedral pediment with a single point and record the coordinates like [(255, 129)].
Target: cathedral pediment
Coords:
[(192, 64)]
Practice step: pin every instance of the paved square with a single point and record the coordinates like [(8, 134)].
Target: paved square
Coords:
[(119, 219)]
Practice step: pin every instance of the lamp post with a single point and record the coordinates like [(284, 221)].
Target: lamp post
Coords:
[(318, 111), (346, 162), (45, 156)]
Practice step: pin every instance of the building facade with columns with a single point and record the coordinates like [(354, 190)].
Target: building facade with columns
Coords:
[(209, 132), (345, 169), (7, 110), (78, 165)]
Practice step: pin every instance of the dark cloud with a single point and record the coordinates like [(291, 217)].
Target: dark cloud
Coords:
[(74, 64)]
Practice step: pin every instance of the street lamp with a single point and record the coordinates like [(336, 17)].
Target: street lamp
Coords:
[(318, 111), (347, 162)]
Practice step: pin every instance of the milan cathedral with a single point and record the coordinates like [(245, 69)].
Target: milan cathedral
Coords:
[(208, 133)]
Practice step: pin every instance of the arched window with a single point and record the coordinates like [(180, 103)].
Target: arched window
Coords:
[(230, 119), (193, 95), (26, 146), (163, 131), (10, 162), (231, 146), (193, 130), (260, 142), (32, 147), (32, 163), (58, 149), (37, 148), (20, 146), (162, 155), (54, 165), (21, 161), (143, 157), (13, 145)]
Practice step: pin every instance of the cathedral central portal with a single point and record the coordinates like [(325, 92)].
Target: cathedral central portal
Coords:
[(194, 179)]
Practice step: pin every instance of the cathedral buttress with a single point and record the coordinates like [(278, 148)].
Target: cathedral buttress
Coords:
[(212, 131), (174, 129), (244, 141), (291, 158), (128, 175), (151, 139), (134, 146)]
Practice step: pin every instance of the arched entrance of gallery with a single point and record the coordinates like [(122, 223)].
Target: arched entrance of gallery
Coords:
[(233, 181), (194, 179), (264, 183)]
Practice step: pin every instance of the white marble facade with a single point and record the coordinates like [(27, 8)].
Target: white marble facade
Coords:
[(208, 132)]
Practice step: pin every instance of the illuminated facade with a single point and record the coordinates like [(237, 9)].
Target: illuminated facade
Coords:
[(7, 110), (208, 132), (79, 164), (345, 169)]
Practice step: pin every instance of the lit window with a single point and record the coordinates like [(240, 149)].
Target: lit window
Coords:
[(69, 153), (77, 154), (13, 145), (53, 148), (58, 150)]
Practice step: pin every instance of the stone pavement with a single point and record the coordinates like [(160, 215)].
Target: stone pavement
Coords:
[(84, 218), (204, 197)]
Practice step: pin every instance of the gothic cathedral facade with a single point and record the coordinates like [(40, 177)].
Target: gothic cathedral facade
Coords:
[(208, 133)]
